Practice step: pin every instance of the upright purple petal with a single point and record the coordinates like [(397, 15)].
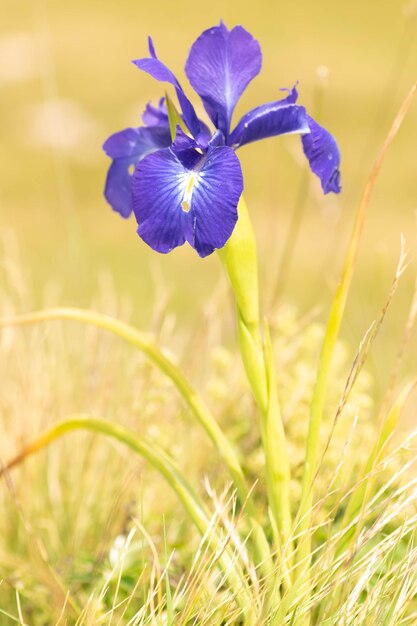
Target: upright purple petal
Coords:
[(160, 72), (151, 47), (126, 148), (217, 139), (156, 115), (187, 197), (219, 67), (269, 120), (291, 97), (323, 155)]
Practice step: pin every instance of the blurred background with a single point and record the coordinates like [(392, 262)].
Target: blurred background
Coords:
[(67, 82)]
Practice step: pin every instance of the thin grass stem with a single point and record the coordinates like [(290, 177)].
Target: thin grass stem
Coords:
[(331, 333)]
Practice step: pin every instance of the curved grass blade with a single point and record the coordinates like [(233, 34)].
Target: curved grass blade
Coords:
[(156, 457), (145, 343)]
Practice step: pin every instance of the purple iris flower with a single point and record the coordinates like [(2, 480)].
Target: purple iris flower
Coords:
[(187, 188)]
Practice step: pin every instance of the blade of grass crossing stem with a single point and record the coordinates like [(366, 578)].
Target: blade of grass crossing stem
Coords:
[(303, 550), (166, 467), (196, 404)]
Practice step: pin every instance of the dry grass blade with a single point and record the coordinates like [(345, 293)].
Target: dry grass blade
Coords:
[(364, 348), (341, 294), (408, 329), (332, 331)]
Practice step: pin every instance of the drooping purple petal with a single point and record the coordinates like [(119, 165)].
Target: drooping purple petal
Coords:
[(323, 156), (215, 199), (219, 67), (269, 120), (160, 72), (157, 201), (127, 148), (118, 188), (187, 197)]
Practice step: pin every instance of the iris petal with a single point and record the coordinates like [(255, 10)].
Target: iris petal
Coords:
[(291, 97), (157, 201), (156, 116), (118, 188), (215, 200), (136, 141), (219, 67), (269, 120), (323, 155), (158, 70), (187, 197), (127, 148)]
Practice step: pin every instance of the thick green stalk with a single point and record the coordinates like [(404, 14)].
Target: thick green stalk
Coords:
[(166, 467), (278, 467), (239, 257)]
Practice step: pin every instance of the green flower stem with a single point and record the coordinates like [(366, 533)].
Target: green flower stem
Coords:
[(303, 551), (197, 406), (239, 258), (175, 479), (277, 462)]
